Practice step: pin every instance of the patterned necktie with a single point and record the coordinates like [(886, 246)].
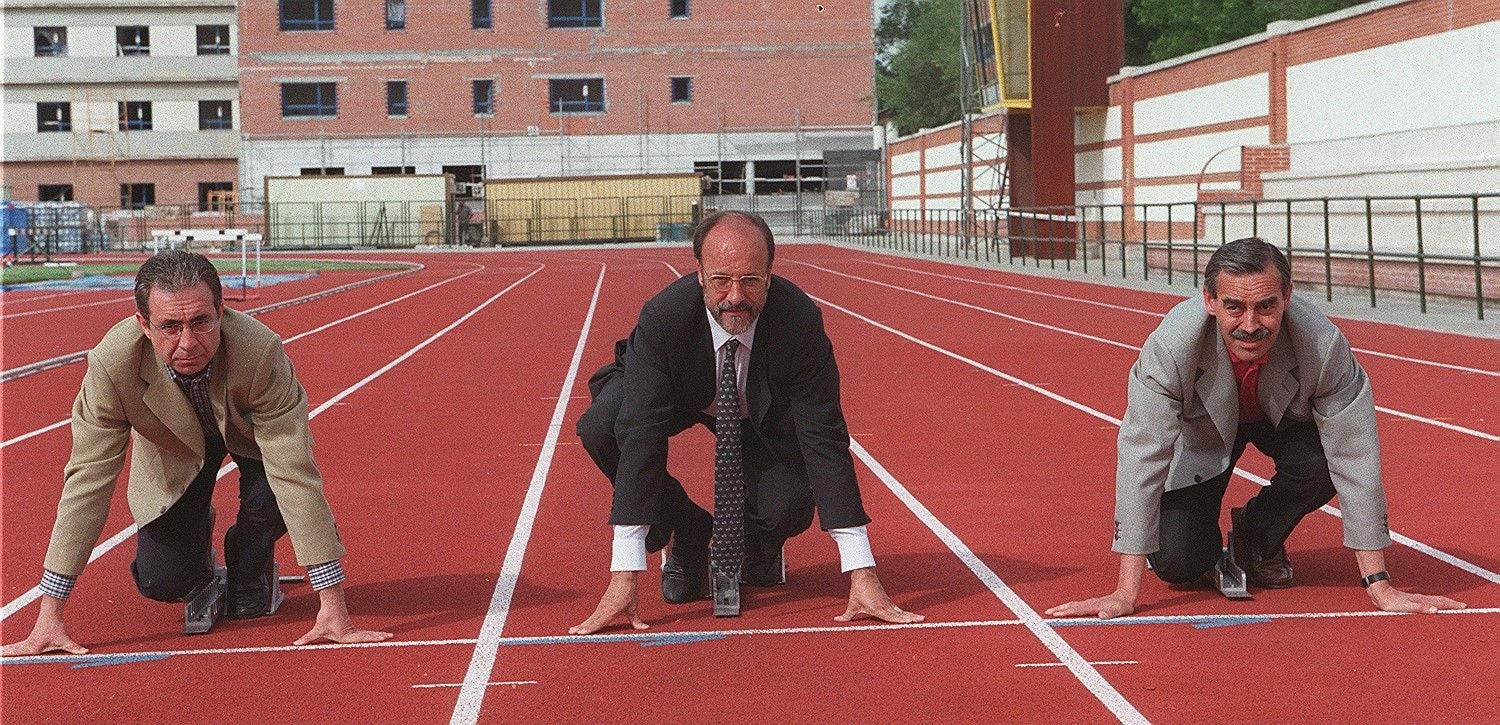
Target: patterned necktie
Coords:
[(729, 472)]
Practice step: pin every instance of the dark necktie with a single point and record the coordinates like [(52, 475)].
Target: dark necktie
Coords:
[(729, 472)]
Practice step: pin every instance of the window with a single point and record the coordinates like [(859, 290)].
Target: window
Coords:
[(393, 170), (484, 97), (54, 117), (213, 40), (297, 15), (322, 171), (137, 196), (465, 173), (576, 95), (395, 14), (51, 42), (54, 192), (309, 100), (132, 40), (134, 115), (482, 17), (215, 115), (679, 8), (575, 14), (682, 90), (215, 195), (395, 98)]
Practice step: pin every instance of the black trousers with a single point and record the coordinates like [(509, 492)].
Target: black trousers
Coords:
[(171, 555), (778, 499), (1191, 540)]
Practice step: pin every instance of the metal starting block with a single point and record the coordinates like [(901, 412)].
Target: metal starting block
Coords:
[(275, 580), (726, 594), (205, 606), (1229, 578)]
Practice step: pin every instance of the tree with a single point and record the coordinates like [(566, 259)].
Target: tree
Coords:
[(1156, 30), (919, 84)]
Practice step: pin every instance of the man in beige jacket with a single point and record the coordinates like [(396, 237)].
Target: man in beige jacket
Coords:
[(190, 382)]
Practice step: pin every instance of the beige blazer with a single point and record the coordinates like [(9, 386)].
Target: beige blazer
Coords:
[(127, 395), (1182, 415)]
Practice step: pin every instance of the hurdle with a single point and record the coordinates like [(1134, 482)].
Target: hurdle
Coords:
[(242, 237)]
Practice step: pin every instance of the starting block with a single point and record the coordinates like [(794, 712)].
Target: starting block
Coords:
[(726, 594), (206, 605), (1229, 578)]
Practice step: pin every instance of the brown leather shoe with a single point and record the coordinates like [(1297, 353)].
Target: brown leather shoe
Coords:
[(1272, 572)]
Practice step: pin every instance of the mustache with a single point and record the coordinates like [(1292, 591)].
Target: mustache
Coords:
[(743, 306), (1243, 336)]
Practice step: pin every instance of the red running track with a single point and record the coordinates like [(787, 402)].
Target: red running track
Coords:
[(429, 467)]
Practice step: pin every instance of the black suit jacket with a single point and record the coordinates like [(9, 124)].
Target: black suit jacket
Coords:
[(792, 391)]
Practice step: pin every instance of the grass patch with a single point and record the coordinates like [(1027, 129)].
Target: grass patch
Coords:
[(22, 273)]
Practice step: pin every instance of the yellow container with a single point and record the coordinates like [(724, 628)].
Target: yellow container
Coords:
[(566, 210)]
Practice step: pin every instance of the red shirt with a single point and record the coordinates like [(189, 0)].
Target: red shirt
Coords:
[(1248, 374)]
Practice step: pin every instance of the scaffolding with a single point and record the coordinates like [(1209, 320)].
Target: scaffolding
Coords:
[(986, 171), (97, 140)]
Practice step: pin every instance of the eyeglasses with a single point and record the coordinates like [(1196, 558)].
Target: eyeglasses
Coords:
[(748, 282), (199, 326)]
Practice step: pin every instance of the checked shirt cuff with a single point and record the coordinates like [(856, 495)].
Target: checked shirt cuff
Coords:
[(327, 574), (57, 586)]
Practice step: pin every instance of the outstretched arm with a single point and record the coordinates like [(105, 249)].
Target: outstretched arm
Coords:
[(1117, 603)]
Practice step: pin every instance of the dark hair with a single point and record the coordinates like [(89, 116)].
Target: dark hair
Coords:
[(1250, 255), (175, 271), (712, 220)]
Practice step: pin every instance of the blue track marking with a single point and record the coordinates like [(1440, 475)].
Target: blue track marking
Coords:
[(1205, 622)]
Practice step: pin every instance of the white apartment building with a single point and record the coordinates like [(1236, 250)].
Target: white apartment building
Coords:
[(130, 103)]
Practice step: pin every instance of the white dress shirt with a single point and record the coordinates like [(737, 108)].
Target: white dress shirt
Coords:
[(629, 550)]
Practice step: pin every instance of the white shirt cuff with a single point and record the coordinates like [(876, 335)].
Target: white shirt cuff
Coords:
[(854, 548), (629, 551)]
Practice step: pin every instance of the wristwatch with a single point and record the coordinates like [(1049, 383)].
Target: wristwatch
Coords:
[(1381, 575)]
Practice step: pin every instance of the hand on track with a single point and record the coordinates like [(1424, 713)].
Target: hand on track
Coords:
[(42, 643), (868, 597), (1108, 606), (47, 635), (1391, 599), (619, 600)]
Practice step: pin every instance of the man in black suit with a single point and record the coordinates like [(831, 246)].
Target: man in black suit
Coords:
[(795, 442)]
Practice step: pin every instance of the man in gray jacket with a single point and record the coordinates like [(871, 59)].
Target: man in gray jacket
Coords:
[(1250, 364)]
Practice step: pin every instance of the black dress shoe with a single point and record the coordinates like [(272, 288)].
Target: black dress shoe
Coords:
[(1271, 572), (249, 593), (684, 575), (764, 565)]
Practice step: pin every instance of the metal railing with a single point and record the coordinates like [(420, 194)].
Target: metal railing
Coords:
[(1437, 246)]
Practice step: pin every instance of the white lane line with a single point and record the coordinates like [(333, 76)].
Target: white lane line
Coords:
[(513, 683), (1400, 414), (32, 594), (710, 635), (1081, 669), (24, 298), (1400, 538), (64, 308), (482, 662), (64, 421), (1148, 313), (1060, 664), (1405, 540)]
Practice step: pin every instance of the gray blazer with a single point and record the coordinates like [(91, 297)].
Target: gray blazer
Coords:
[(1182, 415)]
